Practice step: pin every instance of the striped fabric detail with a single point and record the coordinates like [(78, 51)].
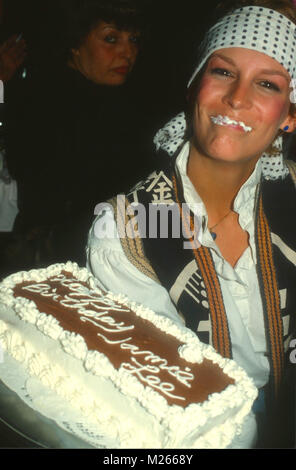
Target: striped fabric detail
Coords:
[(220, 331), (271, 298), (131, 242), (283, 298), (205, 328), (284, 248), (194, 288), (178, 286)]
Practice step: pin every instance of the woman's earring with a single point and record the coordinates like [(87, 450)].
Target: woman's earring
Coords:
[(286, 128)]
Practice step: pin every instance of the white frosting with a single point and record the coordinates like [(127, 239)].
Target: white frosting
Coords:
[(201, 425), (225, 120)]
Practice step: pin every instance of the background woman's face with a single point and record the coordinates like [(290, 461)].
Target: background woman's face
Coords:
[(107, 55), (242, 102)]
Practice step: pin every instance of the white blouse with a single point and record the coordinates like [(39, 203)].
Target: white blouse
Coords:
[(240, 289)]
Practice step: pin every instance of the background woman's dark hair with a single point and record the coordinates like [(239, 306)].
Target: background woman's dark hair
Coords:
[(76, 18)]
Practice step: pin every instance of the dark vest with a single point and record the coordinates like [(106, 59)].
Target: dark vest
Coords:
[(189, 274)]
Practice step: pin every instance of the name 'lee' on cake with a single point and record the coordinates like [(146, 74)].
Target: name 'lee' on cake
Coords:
[(145, 380)]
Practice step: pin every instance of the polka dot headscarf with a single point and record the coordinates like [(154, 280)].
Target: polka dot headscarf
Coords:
[(171, 137), (257, 28), (250, 27)]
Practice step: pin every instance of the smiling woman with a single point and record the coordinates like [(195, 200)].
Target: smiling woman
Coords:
[(250, 93), (243, 86), (252, 35), (236, 287)]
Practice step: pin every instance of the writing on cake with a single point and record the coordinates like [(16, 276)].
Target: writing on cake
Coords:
[(106, 317)]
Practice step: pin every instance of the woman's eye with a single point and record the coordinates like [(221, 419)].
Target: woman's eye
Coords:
[(220, 71), (135, 39), (269, 85), (110, 39)]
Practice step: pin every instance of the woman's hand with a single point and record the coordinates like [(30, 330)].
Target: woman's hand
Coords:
[(12, 55)]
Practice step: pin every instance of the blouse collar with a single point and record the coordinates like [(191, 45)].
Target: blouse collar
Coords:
[(191, 195), (243, 203)]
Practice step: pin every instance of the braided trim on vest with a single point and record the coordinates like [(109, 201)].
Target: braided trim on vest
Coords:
[(132, 245), (204, 260), (270, 297)]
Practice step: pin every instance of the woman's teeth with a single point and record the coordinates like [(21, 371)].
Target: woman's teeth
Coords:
[(225, 120)]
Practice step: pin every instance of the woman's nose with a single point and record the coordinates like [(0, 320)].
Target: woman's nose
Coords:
[(238, 96), (128, 50)]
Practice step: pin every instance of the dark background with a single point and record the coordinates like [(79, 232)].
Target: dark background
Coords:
[(163, 68), (167, 59)]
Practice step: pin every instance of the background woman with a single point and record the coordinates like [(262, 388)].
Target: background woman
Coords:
[(74, 129), (235, 286)]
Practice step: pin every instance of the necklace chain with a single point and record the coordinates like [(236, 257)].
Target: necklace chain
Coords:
[(214, 235)]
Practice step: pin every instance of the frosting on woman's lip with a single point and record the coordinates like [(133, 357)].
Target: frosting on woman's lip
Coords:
[(226, 121)]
